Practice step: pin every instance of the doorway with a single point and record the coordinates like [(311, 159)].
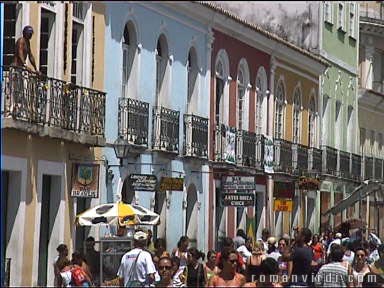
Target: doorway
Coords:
[(49, 229), (191, 215)]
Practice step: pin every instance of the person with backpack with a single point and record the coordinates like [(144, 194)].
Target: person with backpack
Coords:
[(81, 276), (137, 268)]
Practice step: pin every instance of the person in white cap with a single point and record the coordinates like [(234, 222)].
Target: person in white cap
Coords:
[(137, 268)]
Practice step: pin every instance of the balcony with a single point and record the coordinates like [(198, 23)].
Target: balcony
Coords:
[(371, 11), (329, 160), (249, 149), (51, 107), (356, 167), (133, 122), (225, 144), (368, 168), (315, 160), (283, 156), (378, 164), (300, 159), (344, 159), (166, 130), (195, 136)]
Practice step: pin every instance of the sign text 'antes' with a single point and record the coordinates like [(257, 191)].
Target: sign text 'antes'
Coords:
[(237, 199)]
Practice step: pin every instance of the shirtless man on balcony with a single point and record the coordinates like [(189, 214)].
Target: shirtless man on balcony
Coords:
[(23, 49)]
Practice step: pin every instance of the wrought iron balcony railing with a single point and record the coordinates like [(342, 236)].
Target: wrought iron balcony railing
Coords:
[(166, 129), (372, 10), (344, 160), (249, 149), (329, 160), (368, 167), (225, 144), (133, 121), (195, 136), (356, 167), (283, 156), (51, 102), (300, 158), (315, 160), (378, 163)]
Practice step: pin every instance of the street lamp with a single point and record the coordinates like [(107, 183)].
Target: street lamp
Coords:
[(121, 149)]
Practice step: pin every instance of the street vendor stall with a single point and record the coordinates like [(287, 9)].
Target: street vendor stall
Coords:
[(126, 217)]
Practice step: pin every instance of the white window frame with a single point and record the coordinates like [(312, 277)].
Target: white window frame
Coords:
[(242, 95), (341, 16), (223, 60), (162, 68), (312, 122), (352, 20), (261, 101), (279, 110), (328, 11), (297, 115)]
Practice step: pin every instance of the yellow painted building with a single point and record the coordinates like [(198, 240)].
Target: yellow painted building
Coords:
[(296, 124), (48, 125)]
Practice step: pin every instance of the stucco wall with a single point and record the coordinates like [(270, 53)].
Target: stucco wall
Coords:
[(308, 88)]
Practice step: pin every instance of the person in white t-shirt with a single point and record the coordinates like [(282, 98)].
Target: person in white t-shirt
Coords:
[(137, 268), (245, 250)]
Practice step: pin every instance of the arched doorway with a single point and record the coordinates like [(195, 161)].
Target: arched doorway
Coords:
[(191, 215)]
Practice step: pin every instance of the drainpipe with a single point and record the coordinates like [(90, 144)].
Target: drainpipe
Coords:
[(269, 199), (2, 192)]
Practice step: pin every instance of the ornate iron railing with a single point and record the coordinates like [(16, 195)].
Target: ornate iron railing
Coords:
[(368, 167), (315, 160), (52, 102), (195, 136), (246, 148), (225, 144), (378, 163), (300, 158), (356, 167), (283, 156), (344, 160), (133, 121), (329, 160), (166, 129)]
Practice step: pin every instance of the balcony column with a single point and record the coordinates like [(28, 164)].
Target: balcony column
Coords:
[(269, 203), (367, 65)]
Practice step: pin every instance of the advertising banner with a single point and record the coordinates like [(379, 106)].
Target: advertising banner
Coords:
[(171, 184), (142, 182), (237, 199), (283, 205), (230, 147), (268, 155)]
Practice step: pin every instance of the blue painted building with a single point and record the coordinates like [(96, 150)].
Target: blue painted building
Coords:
[(157, 79)]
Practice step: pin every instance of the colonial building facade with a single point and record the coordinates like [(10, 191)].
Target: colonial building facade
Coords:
[(157, 73), (49, 122)]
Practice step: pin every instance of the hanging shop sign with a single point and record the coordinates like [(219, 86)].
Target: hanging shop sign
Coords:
[(309, 183), (142, 182), (238, 183), (230, 147), (85, 180), (282, 205), (268, 154), (237, 199), (284, 189), (171, 184)]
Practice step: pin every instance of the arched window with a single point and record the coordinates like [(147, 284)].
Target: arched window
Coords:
[(312, 123), (129, 47), (219, 92), (296, 115), (279, 110), (161, 65), (192, 71), (242, 95), (261, 107)]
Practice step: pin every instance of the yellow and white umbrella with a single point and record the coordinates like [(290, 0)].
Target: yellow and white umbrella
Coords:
[(117, 213)]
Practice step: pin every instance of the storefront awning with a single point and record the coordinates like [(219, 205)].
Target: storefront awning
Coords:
[(361, 192)]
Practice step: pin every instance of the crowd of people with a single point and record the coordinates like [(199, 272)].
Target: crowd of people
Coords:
[(306, 260)]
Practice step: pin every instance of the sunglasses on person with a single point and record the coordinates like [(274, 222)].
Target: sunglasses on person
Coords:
[(233, 261), (165, 268)]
